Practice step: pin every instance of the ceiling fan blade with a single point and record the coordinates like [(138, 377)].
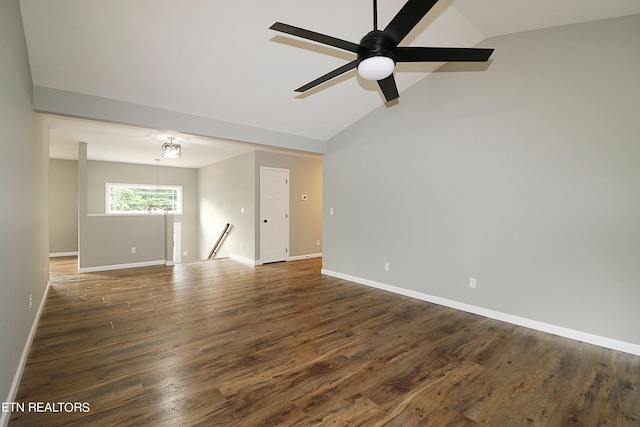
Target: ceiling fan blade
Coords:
[(389, 88), (408, 17), (316, 37), (335, 73), (441, 54)]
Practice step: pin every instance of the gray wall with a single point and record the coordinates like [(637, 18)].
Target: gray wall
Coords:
[(63, 206), (99, 173), (114, 247), (24, 233), (524, 176), (228, 186), (224, 189), (107, 241), (305, 217), (57, 101)]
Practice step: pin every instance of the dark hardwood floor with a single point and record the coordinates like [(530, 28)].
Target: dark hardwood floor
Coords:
[(219, 343)]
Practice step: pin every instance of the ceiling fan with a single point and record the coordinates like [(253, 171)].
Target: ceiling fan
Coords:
[(378, 51)]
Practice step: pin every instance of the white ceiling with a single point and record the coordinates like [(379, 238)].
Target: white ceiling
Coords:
[(218, 59), (128, 144)]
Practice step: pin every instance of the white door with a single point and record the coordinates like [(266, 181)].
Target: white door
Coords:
[(274, 214)]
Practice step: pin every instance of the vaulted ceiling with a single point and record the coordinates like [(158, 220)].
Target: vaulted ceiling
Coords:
[(219, 59)]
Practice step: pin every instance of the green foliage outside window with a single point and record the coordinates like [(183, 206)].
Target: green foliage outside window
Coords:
[(123, 198)]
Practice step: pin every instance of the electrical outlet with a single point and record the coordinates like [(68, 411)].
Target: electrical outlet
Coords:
[(386, 266), (185, 253), (30, 301), (472, 282), (133, 249), (317, 242)]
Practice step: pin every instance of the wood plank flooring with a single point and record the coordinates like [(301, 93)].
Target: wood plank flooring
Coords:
[(219, 343)]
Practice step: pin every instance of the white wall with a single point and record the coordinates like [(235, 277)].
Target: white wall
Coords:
[(24, 234), (524, 176)]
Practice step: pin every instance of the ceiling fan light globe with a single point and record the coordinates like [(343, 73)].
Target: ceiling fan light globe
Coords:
[(376, 68)]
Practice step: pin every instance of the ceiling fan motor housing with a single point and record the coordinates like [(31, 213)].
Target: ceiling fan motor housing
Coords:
[(375, 44)]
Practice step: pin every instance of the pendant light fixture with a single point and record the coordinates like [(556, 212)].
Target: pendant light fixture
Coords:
[(171, 150)]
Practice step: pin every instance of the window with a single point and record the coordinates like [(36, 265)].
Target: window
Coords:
[(139, 199)]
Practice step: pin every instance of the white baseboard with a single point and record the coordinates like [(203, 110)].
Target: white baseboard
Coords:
[(504, 317), (120, 266), (255, 262), (61, 254), (244, 260), (13, 391), (299, 257)]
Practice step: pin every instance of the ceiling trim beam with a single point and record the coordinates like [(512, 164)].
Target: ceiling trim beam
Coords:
[(73, 104)]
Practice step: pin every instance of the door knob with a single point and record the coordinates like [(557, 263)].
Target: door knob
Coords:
[(265, 221)]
